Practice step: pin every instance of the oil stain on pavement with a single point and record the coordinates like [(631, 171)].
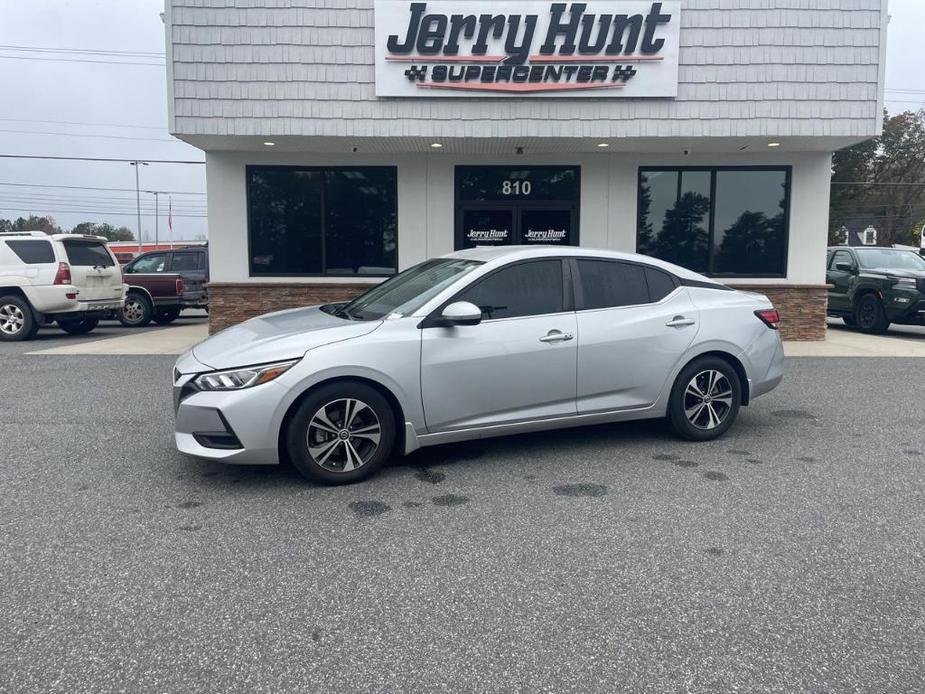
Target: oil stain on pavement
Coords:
[(189, 504), (450, 500), (685, 463), (425, 474), (794, 414), (368, 509), (665, 456), (715, 476), (584, 489)]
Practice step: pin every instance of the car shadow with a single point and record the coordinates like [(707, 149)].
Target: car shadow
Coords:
[(903, 332)]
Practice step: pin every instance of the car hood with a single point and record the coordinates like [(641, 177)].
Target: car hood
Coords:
[(916, 274), (277, 336)]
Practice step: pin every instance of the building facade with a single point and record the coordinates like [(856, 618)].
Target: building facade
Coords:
[(347, 140)]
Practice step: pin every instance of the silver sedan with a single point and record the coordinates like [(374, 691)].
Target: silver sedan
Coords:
[(484, 342)]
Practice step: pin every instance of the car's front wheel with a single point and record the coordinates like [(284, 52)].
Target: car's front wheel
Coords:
[(705, 399), (137, 311), (80, 326), (870, 316), (341, 433)]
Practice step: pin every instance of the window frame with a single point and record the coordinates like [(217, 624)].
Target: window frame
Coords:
[(248, 168), (786, 169), (435, 318), (579, 290), (199, 260)]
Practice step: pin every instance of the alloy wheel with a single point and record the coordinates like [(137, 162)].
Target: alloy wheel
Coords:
[(133, 311), (343, 435), (708, 399), (12, 319), (867, 314)]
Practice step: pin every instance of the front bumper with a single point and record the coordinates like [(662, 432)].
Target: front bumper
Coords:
[(240, 427)]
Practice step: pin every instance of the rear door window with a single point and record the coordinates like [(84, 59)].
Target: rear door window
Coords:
[(525, 289), (88, 254), (661, 284), (33, 252), (608, 284), (186, 262)]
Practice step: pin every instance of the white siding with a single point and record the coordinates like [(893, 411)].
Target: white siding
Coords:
[(749, 68)]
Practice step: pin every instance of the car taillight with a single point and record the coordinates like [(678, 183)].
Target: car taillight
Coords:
[(179, 286), (770, 317), (63, 276)]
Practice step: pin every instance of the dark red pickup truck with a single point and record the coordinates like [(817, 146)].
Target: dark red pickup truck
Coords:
[(163, 283)]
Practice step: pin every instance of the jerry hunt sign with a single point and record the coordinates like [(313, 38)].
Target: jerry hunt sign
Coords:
[(601, 48)]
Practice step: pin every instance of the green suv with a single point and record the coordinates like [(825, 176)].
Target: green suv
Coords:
[(873, 287)]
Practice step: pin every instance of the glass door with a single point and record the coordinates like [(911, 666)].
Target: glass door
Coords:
[(487, 227), (546, 226)]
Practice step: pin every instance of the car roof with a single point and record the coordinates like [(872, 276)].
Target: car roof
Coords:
[(506, 254)]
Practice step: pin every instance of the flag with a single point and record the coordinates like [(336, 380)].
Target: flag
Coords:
[(170, 219)]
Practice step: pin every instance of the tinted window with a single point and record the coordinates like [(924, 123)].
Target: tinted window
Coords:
[(183, 262), (322, 221), (607, 283), (156, 262), (88, 253), (33, 251), (890, 260), (661, 284), (716, 221), (527, 289)]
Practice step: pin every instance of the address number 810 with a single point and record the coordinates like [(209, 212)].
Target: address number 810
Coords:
[(516, 188)]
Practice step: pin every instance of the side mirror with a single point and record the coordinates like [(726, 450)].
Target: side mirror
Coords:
[(462, 313), (844, 267)]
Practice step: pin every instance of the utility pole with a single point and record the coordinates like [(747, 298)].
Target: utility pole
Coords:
[(155, 193), (138, 164)]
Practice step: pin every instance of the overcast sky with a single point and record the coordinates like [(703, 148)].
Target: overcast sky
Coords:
[(106, 95)]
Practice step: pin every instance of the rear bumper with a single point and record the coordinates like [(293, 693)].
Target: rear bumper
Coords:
[(83, 309)]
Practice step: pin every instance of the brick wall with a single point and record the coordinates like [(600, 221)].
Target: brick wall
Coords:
[(802, 307), (231, 303)]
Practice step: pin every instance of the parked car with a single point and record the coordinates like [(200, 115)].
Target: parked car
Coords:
[(480, 343), (68, 279), (164, 283), (870, 287)]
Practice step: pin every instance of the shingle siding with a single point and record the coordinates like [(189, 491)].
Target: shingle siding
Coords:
[(306, 67)]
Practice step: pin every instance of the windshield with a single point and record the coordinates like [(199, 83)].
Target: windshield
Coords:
[(890, 260), (408, 291)]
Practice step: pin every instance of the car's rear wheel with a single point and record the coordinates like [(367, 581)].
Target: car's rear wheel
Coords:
[(137, 311), (705, 399), (167, 316), (870, 316), (341, 433), (16, 319), (78, 327)]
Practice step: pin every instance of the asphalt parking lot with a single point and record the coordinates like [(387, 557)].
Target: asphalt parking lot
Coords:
[(786, 557)]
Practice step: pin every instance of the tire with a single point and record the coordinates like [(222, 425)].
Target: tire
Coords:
[(849, 321), (167, 316), (17, 321), (78, 327), (715, 415), (137, 311), (333, 459), (870, 316)]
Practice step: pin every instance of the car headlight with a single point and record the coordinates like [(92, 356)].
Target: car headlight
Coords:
[(903, 282), (238, 379)]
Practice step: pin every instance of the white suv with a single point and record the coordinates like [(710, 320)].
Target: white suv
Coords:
[(70, 279)]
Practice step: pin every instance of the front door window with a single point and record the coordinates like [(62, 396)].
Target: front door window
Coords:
[(524, 205)]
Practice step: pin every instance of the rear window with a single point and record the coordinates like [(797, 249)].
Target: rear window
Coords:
[(88, 253), (661, 284), (32, 251), (608, 283), (186, 261)]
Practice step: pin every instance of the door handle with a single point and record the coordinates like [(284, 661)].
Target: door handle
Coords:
[(557, 336), (680, 322)]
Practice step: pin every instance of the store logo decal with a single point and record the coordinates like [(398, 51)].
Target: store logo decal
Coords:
[(566, 49)]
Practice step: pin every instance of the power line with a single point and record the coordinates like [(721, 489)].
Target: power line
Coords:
[(95, 51), (107, 137), (866, 183), (57, 158), (77, 60), (46, 210), (129, 190), (77, 122)]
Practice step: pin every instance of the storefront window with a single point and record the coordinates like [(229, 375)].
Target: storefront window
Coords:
[(317, 221), (717, 221)]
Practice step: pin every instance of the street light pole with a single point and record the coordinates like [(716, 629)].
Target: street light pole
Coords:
[(157, 225), (138, 164)]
